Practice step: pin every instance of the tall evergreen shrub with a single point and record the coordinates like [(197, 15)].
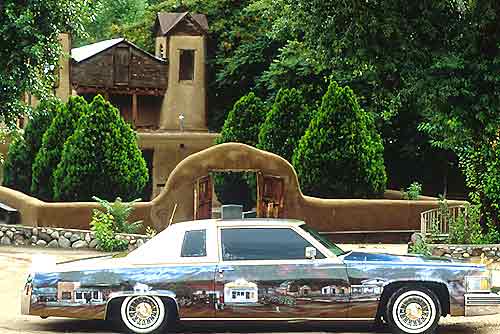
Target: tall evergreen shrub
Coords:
[(49, 155), (101, 158), (341, 153)]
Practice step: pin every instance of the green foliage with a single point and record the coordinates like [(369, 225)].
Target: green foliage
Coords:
[(243, 122), (413, 191), (49, 155), (108, 15), (151, 232), (30, 48), (103, 226), (466, 228), (285, 123), (236, 188), (341, 153), (420, 247), (100, 158), (120, 211), (23, 149)]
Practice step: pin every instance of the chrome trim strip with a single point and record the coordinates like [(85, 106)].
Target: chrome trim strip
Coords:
[(367, 232), (279, 319)]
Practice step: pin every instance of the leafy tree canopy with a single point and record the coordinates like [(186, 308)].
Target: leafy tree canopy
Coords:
[(30, 48)]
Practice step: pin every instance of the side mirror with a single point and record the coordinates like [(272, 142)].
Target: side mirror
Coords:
[(310, 253)]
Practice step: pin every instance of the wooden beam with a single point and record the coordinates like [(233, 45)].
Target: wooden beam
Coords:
[(120, 91), (134, 110)]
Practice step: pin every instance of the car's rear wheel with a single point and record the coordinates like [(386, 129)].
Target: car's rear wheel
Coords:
[(413, 310), (144, 314)]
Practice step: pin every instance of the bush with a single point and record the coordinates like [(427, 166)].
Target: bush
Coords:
[(242, 125), (102, 224), (120, 211), (285, 123), (100, 158), (24, 148), (49, 155), (412, 192), (341, 153), (114, 219), (420, 247)]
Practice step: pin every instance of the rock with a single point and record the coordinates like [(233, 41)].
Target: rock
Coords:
[(55, 235), (415, 237), (80, 244), (68, 235), (49, 231), (64, 242), (41, 243), (1, 234), (75, 237), (27, 233), (438, 251), (13, 229), (133, 241), (494, 248), (139, 242), (5, 241), (34, 239), (10, 234), (88, 238), (459, 250), (4, 229), (53, 244), (34, 231), (465, 255), (44, 230), (93, 243), (491, 254), (486, 249), (45, 236), (447, 255), (476, 252), (19, 240)]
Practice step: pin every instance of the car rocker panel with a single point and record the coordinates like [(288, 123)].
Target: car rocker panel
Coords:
[(257, 269)]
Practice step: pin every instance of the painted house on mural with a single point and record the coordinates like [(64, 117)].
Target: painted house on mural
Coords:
[(163, 96)]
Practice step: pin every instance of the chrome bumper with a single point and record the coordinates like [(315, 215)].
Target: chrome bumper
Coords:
[(481, 304)]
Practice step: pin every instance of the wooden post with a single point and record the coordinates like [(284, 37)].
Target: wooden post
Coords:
[(134, 110)]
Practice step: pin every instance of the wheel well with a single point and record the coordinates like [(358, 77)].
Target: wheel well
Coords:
[(439, 289), (113, 307)]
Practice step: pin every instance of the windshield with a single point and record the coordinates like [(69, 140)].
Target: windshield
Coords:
[(324, 241)]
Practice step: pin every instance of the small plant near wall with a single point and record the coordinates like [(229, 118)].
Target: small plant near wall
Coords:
[(413, 191), (420, 246), (114, 219)]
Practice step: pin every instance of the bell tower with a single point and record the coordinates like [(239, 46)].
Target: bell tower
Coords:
[(181, 39)]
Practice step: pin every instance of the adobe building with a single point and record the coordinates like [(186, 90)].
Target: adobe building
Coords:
[(163, 96)]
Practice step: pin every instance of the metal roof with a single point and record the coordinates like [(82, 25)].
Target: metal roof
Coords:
[(168, 21), (87, 51)]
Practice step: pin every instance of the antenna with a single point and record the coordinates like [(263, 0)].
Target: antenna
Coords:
[(173, 214)]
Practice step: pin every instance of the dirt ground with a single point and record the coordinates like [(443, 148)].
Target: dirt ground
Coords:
[(15, 263)]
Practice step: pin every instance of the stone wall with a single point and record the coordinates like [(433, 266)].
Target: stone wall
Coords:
[(467, 252), (17, 235)]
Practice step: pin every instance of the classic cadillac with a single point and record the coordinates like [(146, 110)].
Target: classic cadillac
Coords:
[(257, 269)]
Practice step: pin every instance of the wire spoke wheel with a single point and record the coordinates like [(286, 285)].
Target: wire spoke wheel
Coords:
[(414, 311), (143, 314)]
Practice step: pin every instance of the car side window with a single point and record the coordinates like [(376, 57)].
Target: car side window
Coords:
[(194, 244), (263, 244)]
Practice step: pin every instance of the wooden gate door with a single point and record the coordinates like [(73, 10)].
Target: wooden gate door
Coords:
[(270, 196), (203, 198)]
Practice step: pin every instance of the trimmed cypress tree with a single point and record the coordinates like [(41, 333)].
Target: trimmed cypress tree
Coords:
[(242, 125), (101, 158), (341, 153), (24, 148), (49, 155), (285, 123)]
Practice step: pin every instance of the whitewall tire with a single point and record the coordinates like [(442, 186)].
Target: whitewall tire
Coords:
[(413, 310), (143, 314)]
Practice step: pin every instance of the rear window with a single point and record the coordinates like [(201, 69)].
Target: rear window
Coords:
[(194, 244)]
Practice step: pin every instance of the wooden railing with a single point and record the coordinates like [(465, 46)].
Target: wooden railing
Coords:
[(437, 222)]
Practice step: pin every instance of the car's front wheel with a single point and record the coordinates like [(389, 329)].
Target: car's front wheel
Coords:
[(413, 310), (143, 314)]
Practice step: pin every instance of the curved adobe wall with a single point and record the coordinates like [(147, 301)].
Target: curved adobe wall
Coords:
[(327, 215)]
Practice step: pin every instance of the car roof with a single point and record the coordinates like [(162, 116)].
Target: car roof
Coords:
[(247, 222)]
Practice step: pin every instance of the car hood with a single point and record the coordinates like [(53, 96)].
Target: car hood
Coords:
[(407, 259)]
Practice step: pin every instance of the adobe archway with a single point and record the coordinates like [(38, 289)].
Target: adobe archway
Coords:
[(224, 157)]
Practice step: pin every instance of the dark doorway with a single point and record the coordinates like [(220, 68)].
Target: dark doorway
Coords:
[(148, 190)]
